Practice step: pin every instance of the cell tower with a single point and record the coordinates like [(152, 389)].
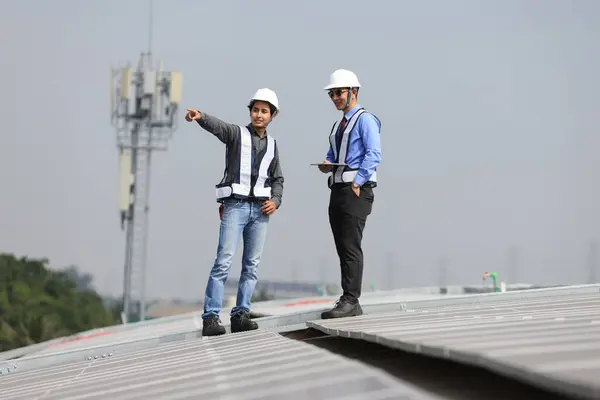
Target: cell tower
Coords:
[(143, 108)]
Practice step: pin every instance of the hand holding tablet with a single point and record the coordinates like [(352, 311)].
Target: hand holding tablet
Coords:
[(329, 164), (326, 166)]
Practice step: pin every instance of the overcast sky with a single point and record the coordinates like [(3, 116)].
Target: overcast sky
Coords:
[(490, 133)]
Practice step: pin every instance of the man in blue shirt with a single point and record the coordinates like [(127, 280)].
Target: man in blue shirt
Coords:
[(355, 144)]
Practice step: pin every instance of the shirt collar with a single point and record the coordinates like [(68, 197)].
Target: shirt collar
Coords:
[(352, 111), (253, 131)]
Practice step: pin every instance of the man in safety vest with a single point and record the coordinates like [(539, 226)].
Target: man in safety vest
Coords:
[(353, 142), (250, 192)]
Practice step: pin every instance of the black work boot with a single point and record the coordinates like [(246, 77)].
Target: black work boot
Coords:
[(211, 326), (345, 307), (241, 322)]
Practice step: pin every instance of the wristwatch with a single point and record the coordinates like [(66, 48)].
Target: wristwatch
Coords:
[(355, 185)]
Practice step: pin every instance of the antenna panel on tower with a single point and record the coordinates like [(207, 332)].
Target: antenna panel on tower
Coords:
[(175, 88), (125, 179), (125, 89), (149, 82)]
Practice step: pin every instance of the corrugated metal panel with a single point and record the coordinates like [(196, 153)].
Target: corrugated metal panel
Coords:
[(254, 365), (296, 311), (133, 333), (138, 331), (322, 303), (178, 324), (135, 337), (551, 339), (185, 323), (111, 334)]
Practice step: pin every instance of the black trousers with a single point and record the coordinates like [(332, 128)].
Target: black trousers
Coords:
[(347, 217)]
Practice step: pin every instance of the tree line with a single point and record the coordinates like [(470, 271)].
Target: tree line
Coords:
[(39, 304)]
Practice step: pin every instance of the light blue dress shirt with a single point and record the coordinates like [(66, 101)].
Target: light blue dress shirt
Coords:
[(364, 147)]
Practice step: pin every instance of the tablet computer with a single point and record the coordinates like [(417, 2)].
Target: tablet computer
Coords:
[(331, 164)]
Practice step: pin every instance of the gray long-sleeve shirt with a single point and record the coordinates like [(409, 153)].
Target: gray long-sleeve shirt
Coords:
[(229, 134)]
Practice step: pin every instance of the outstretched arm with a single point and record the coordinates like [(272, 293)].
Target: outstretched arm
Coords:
[(369, 132), (222, 130)]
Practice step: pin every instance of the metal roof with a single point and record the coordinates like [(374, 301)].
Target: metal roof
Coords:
[(276, 314), (320, 303), (549, 337), (298, 310), (144, 335), (253, 365), (167, 358)]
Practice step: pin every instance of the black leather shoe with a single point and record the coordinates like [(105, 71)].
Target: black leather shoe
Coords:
[(211, 326), (344, 307), (241, 322)]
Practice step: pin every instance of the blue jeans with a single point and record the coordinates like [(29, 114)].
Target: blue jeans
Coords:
[(241, 219)]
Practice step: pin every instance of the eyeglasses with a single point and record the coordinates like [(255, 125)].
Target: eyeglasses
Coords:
[(337, 92)]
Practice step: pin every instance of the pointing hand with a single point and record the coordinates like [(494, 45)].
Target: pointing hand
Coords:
[(192, 115)]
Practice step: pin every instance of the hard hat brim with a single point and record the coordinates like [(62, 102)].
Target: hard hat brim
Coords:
[(265, 101), (337, 86)]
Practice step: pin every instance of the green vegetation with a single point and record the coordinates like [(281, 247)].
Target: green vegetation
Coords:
[(38, 304)]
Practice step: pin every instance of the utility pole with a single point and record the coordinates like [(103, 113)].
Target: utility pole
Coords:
[(144, 104), (593, 263)]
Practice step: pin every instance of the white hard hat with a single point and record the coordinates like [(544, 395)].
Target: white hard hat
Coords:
[(342, 78), (267, 95)]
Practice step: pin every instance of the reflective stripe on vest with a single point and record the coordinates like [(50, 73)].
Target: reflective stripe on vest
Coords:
[(260, 190), (242, 188), (342, 174)]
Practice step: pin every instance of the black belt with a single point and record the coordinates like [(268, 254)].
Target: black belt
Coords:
[(247, 199)]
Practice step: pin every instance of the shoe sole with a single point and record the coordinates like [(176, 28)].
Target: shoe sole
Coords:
[(244, 330), (357, 313), (214, 334)]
